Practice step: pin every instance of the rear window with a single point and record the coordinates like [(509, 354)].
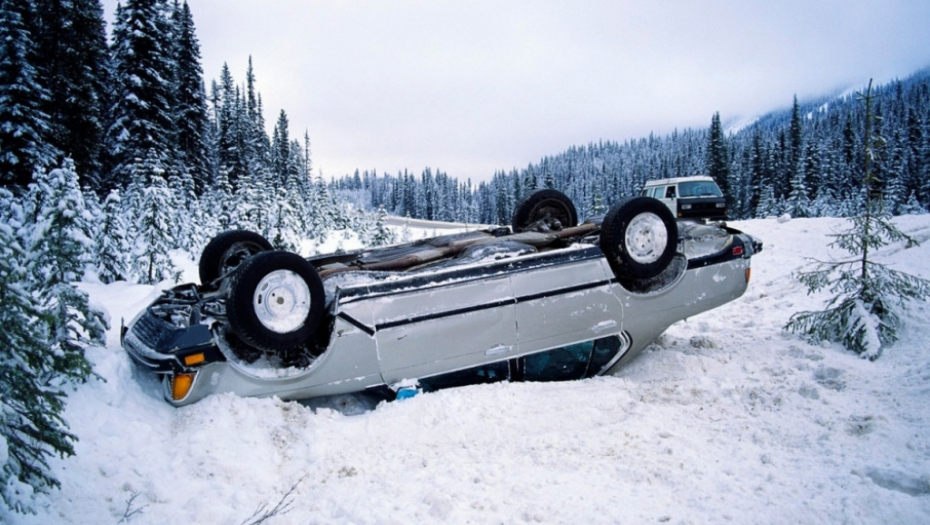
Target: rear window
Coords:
[(699, 189)]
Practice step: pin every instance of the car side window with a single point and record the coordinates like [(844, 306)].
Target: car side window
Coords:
[(670, 192), (490, 373), (559, 364)]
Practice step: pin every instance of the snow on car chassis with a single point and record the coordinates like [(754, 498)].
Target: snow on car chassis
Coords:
[(546, 299)]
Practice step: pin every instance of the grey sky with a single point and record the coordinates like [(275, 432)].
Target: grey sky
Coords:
[(471, 87)]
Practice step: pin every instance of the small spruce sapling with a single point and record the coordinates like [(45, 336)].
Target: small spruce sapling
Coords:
[(864, 313)]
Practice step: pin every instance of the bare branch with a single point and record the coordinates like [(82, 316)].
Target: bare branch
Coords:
[(282, 507), (130, 512)]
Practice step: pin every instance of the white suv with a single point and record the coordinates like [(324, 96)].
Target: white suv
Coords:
[(696, 197)]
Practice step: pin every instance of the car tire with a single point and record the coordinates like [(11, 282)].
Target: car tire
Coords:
[(275, 301), (551, 206), (227, 250), (639, 238)]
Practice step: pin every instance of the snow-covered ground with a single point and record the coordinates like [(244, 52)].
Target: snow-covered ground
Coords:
[(724, 419)]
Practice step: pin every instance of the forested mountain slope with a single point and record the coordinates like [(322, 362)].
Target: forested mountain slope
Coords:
[(806, 161)]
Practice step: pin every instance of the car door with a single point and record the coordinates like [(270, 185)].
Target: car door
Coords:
[(448, 323), (566, 302)]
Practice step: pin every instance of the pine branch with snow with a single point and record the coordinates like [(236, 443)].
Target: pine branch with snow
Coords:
[(40, 350)]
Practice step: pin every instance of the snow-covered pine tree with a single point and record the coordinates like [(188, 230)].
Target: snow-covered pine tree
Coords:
[(218, 202), (257, 141), (190, 110), (112, 253), (912, 206), (59, 249), (143, 70), (895, 189), (380, 233), (504, 208), (151, 261), (47, 323), (181, 188), (229, 126), (297, 183), (25, 128), (281, 147), (799, 203), (325, 213), (597, 203), (286, 233), (31, 397), (864, 312), (717, 164), (247, 205), (74, 63), (361, 224), (794, 146)]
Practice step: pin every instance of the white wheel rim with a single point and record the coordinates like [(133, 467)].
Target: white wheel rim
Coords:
[(282, 301), (646, 238)]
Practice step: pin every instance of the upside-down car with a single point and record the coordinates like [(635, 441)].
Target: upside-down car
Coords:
[(544, 299)]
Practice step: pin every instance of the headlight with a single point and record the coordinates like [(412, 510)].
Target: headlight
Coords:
[(721, 204), (686, 206)]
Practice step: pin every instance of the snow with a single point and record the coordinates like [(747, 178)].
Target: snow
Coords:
[(726, 418)]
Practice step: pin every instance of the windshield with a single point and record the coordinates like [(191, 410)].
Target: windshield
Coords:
[(699, 189)]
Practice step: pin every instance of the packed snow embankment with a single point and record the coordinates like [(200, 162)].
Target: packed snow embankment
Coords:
[(725, 418)]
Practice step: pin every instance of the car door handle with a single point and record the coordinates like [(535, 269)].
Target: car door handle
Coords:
[(499, 349)]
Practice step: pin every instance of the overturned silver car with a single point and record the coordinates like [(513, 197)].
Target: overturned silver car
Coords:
[(545, 299)]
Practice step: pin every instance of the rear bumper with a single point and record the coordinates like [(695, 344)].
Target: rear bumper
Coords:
[(164, 348)]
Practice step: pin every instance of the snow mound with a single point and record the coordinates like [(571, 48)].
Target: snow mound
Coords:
[(725, 418)]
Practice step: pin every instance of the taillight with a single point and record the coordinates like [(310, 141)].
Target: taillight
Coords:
[(737, 251)]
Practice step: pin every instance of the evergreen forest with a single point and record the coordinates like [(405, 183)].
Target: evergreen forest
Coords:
[(805, 161)]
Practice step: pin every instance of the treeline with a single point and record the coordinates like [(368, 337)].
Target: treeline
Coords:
[(806, 161), (136, 110)]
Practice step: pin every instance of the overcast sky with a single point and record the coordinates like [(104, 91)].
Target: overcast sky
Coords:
[(472, 87)]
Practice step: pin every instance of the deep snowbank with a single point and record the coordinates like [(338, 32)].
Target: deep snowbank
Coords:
[(725, 419)]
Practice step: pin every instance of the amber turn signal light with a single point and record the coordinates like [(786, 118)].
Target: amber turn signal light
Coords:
[(181, 385), (194, 359)]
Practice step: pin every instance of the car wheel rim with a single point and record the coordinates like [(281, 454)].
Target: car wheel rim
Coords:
[(646, 238), (237, 253), (554, 216), (282, 301)]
